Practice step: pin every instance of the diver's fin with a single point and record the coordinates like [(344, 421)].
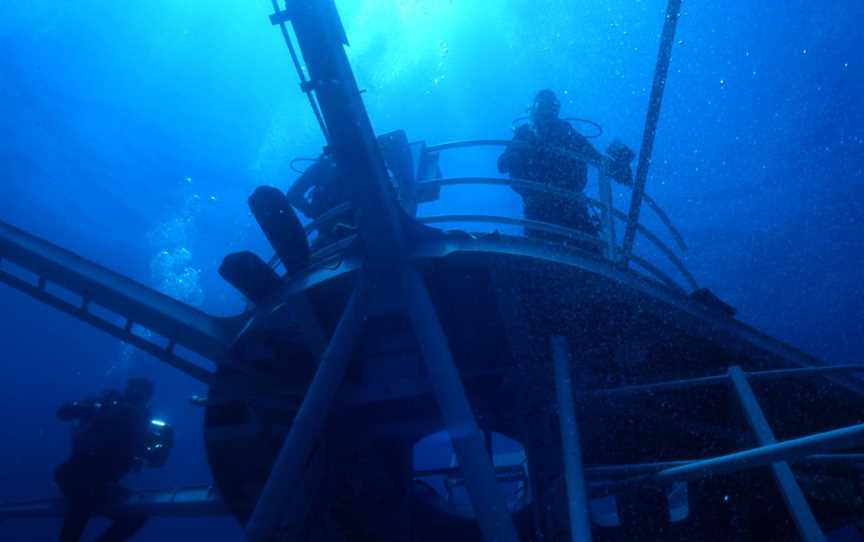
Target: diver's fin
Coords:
[(250, 275), (281, 226)]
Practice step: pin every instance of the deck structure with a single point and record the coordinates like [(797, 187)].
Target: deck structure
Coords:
[(480, 383)]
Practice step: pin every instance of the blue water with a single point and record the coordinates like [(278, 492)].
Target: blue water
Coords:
[(132, 133)]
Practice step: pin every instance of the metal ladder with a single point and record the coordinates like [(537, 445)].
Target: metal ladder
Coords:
[(164, 327), (770, 452)]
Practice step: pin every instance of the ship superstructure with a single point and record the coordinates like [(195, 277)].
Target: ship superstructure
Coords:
[(413, 382)]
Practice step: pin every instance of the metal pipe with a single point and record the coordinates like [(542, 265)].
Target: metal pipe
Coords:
[(795, 450), (790, 450), (620, 471), (661, 214), (577, 502), (804, 371), (664, 218), (573, 196), (286, 474), (664, 55), (801, 513), (656, 387), (718, 379), (658, 274), (836, 458), (533, 224), (467, 144), (468, 441)]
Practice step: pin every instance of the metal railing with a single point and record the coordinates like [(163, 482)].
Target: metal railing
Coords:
[(649, 201), (607, 241), (603, 204), (769, 452), (610, 217)]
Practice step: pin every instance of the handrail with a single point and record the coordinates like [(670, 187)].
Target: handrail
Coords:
[(313, 225), (679, 265), (329, 216), (533, 224), (651, 202), (333, 250), (467, 143), (511, 182), (560, 230), (664, 218), (654, 270), (717, 379), (543, 226), (573, 196)]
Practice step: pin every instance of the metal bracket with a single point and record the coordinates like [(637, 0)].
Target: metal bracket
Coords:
[(281, 17)]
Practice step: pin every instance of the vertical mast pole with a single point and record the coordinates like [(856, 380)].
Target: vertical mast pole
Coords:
[(577, 502)]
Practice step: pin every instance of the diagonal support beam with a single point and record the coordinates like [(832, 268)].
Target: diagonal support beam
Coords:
[(282, 488), (806, 523), (790, 450), (577, 502), (661, 72), (351, 140), (468, 441)]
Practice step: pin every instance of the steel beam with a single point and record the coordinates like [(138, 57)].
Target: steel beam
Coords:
[(791, 451), (468, 441), (721, 379), (188, 326), (805, 521), (284, 484), (352, 142), (600, 472), (577, 502), (661, 72)]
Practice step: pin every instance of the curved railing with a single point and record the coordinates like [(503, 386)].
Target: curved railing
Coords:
[(652, 204), (606, 243), (568, 233), (551, 228), (604, 204)]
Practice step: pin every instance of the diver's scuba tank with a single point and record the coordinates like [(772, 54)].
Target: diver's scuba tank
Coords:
[(157, 443)]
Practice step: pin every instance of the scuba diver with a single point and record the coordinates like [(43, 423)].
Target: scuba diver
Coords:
[(319, 189), (549, 150), (113, 435)]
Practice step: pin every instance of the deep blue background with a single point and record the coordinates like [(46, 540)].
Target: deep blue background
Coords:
[(132, 128)]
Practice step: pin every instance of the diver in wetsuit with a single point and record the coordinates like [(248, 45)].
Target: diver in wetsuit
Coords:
[(319, 189), (113, 435), (548, 150)]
